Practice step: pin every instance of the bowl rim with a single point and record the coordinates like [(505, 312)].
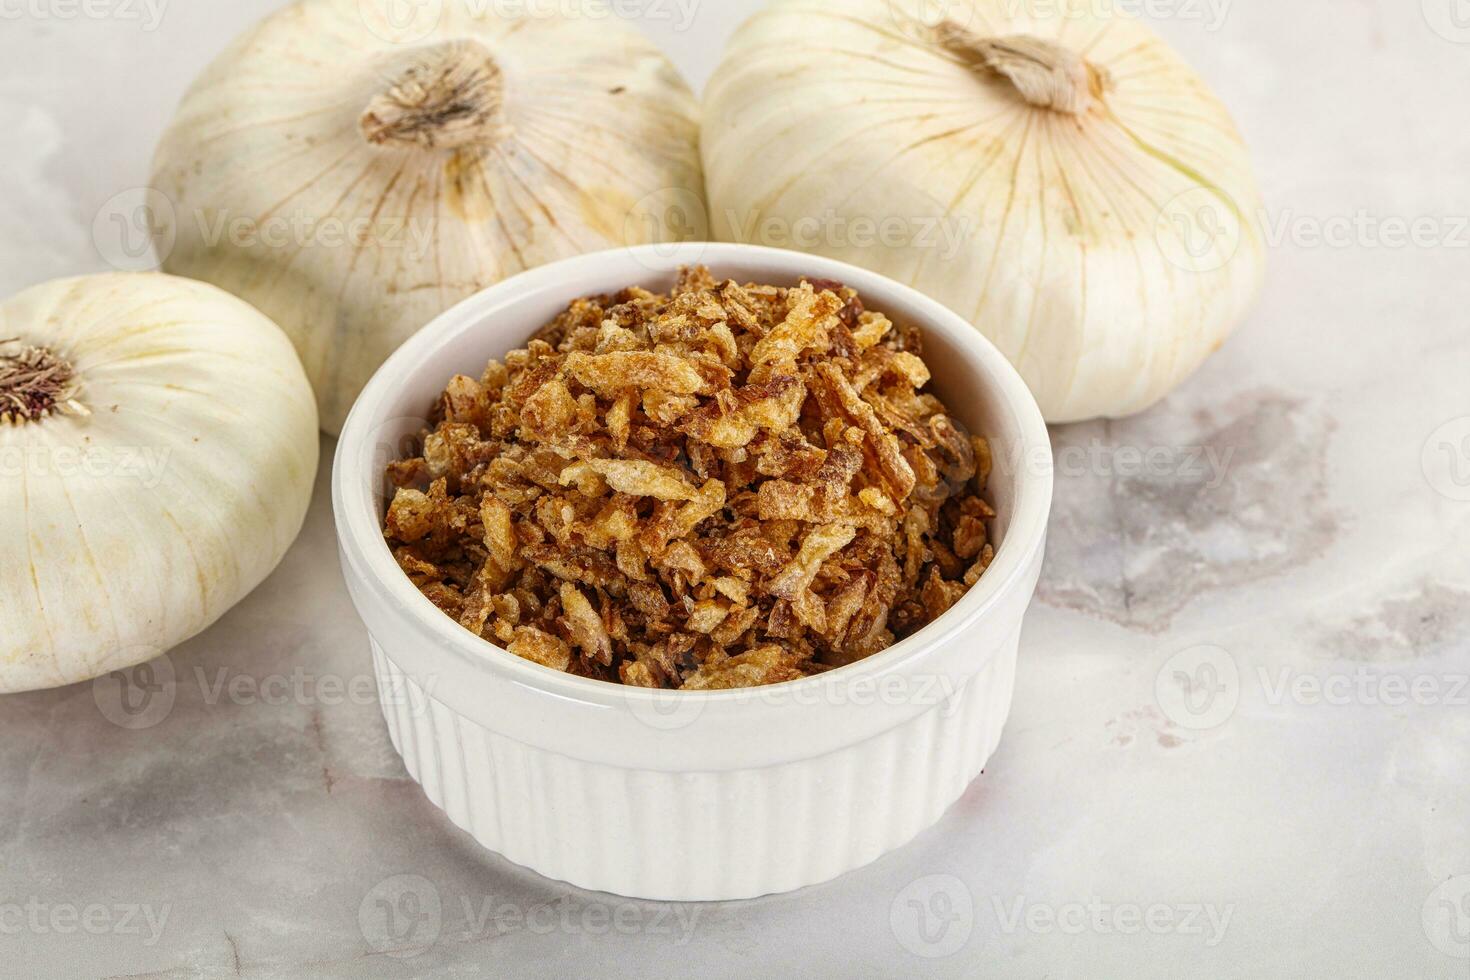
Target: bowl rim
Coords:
[(359, 529)]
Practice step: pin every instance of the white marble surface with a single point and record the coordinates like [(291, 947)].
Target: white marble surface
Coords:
[(1304, 519)]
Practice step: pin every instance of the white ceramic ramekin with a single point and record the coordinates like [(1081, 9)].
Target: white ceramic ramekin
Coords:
[(691, 796)]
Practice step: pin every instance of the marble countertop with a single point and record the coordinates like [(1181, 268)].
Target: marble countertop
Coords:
[(1292, 528)]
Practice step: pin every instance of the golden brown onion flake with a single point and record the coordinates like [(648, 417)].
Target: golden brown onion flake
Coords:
[(727, 486)]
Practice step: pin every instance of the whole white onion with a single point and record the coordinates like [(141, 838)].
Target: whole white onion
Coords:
[(158, 445), (1048, 168), (353, 173)]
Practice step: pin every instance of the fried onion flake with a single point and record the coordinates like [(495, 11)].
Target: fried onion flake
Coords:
[(723, 486)]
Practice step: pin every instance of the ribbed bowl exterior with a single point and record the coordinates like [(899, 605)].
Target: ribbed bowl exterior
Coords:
[(698, 836)]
